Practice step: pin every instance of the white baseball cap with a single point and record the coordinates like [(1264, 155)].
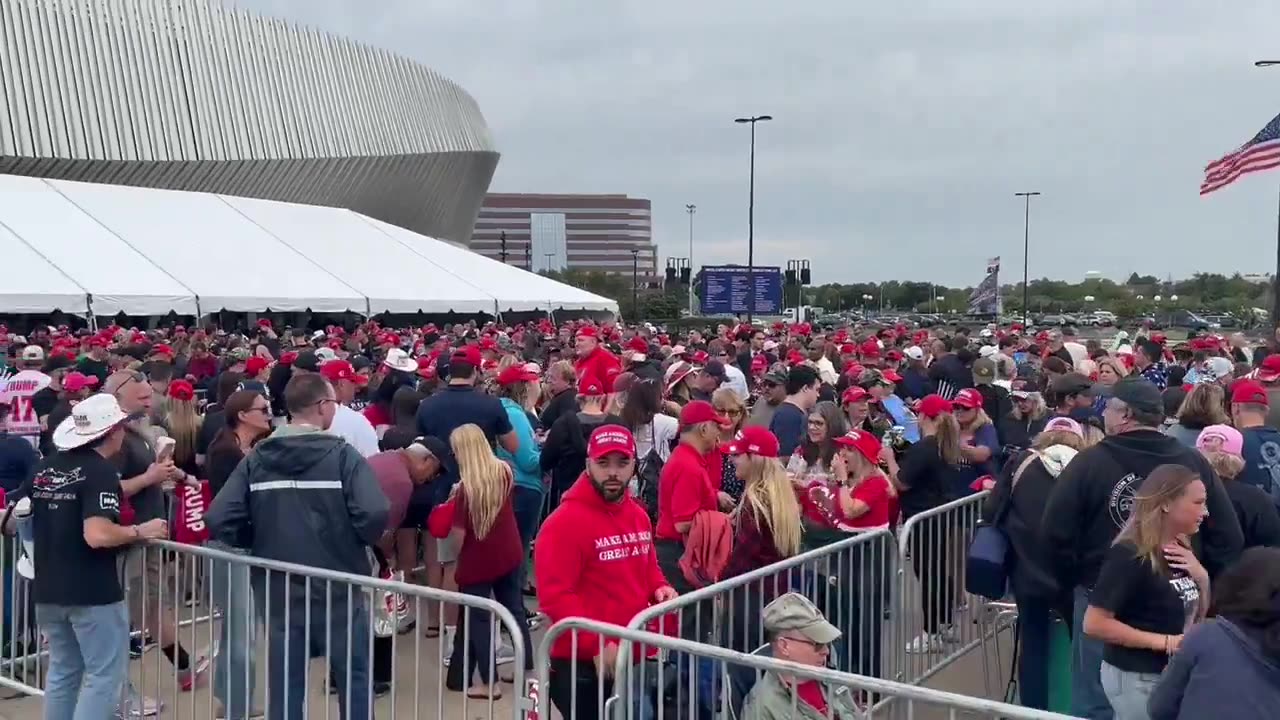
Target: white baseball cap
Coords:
[(33, 353), (914, 353), (90, 419)]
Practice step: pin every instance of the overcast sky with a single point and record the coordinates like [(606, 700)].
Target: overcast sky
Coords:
[(901, 131)]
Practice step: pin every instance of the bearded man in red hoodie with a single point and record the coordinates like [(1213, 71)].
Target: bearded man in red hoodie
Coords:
[(594, 559)]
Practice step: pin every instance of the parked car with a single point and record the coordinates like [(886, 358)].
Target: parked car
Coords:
[(1191, 321), (1224, 320), (1099, 318), (1150, 322)]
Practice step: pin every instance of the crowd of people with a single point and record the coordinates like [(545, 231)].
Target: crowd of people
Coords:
[(1136, 479)]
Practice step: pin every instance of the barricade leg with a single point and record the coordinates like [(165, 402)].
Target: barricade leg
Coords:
[(235, 662)]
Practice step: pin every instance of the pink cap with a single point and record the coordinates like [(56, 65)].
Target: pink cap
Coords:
[(1221, 437)]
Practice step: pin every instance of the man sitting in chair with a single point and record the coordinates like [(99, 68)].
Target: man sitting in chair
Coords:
[(797, 632)]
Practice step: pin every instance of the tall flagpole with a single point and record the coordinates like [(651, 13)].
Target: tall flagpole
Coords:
[(1275, 279)]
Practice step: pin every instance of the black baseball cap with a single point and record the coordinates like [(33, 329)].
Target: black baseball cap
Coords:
[(1136, 392), (715, 369), (1073, 384), (307, 361)]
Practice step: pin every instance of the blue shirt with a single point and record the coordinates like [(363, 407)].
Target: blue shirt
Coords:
[(788, 425), (18, 462), (966, 473), (1261, 452), (457, 405), (526, 462)]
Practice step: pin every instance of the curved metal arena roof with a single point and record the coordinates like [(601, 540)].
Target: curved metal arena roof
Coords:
[(192, 95)]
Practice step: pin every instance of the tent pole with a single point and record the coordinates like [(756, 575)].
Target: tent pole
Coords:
[(497, 314), (88, 306), (199, 314), (368, 309)]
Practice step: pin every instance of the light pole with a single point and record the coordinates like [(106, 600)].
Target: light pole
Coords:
[(751, 213), (635, 283), (691, 209), (1275, 279), (1026, 249), (865, 299)]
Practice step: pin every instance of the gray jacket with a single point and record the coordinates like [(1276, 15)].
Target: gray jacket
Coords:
[(1220, 671), (772, 699), (302, 496)]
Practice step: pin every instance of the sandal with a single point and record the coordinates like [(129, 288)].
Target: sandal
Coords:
[(481, 695)]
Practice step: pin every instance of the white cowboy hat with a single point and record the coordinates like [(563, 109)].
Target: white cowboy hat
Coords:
[(325, 354), (398, 359), (90, 419)]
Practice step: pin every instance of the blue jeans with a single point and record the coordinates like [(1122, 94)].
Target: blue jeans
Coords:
[(235, 665), (88, 659), (506, 591), (1128, 691), (1088, 698), (337, 628), (1034, 625)]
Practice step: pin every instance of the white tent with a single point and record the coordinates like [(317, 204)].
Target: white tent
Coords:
[(143, 251)]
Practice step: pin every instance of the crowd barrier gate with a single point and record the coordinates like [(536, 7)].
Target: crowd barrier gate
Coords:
[(631, 693)]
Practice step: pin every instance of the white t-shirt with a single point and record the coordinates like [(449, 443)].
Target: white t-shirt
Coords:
[(659, 434), (355, 429)]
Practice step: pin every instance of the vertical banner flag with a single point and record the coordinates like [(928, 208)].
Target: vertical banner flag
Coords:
[(985, 298)]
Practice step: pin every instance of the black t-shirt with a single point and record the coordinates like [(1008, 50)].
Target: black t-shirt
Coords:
[(43, 401), (1144, 598), (457, 405), (214, 420), (68, 488), (927, 477), (133, 460), (98, 368)]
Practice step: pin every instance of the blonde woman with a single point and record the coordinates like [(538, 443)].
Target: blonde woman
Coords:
[(490, 555), (728, 404), (1205, 405), (766, 530), (979, 442), (1151, 588), (1110, 371), (182, 421)]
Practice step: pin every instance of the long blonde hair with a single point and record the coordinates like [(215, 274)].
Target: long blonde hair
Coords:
[(771, 499), (946, 433), (1145, 526), (182, 423), (485, 479)]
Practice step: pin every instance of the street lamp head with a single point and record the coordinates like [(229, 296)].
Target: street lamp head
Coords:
[(753, 119), (691, 208), (1265, 63), (1033, 193)]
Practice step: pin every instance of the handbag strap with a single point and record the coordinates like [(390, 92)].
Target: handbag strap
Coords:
[(1007, 505)]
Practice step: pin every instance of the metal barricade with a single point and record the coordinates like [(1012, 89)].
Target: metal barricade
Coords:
[(251, 628), (936, 620), (847, 579), (631, 691)]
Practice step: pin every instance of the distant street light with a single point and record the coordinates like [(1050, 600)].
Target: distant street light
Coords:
[(1026, 248), (751, 212), (691, 209)]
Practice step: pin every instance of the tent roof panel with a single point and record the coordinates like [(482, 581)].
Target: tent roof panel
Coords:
[(31, 284), (393, 277), (118, 277), (227, 260), (514, 288)]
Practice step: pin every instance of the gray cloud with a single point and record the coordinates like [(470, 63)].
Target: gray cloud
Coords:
[(902, 131)]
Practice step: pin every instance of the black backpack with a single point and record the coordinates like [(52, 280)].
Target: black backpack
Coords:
[(648, 472)]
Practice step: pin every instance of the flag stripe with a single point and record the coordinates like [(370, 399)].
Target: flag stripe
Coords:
[(1262, 152)]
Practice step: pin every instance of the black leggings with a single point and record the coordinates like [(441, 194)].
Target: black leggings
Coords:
[(936, 569)]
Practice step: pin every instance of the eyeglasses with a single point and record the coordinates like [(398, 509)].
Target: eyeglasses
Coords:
[(731, 412), (326, 400), (263, 409), (817, 646), (133, 376)]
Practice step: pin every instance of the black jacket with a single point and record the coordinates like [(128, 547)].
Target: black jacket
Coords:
[(305, 497), (1259, 519), (564, 403), (1093, 497), (1019, 432), (1030, 573), (564, 454), (996, 403), (949, 376), (646, 370)]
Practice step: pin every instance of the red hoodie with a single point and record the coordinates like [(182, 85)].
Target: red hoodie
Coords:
[(594, 560)]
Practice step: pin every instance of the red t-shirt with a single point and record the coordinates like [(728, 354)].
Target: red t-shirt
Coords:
[(377, 415), (500, 552), (683, 490), (874, 491), (810, 691)]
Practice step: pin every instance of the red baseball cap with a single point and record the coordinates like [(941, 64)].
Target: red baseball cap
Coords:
[(1269, 370), (589, 331), (76, 381), (467, 354), (891, 375), (854, 394), (931, 406), (1248, 391), (264, 322), (848, 349), (427, 367), (638, 345), (701, 411), (255, 365), (516, 374), (97, 342), (608, 439), (753, 440), (968, 399), (590, 386), (865, 443), (336, 370), (870, 348)]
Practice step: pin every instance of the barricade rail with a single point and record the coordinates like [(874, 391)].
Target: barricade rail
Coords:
[(250, 620), (632, 692)]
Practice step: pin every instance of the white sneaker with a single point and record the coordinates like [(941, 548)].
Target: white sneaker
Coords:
[(924, 644), (140, 706), (446, 644), (506, 653), (947, 633)]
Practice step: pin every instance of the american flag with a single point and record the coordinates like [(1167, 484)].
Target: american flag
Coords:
[(1260, 153)]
